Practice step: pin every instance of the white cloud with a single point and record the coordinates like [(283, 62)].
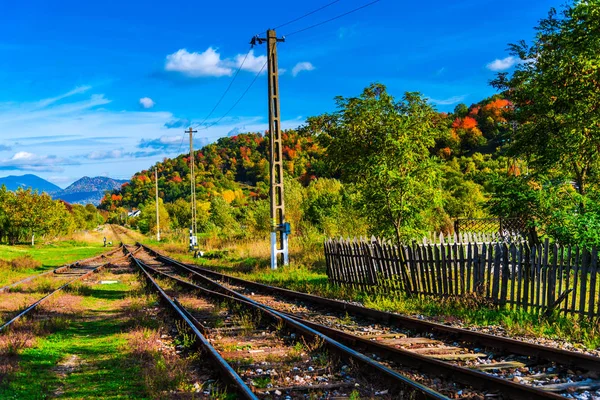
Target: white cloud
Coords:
[(252, 63), (23, 155), (74, 134), (448, 101), (209, 63), (102, 155), (196, 65), (147, 102), (80, 137), (503, 64), (302, 66), (77, 90), (26, 161)]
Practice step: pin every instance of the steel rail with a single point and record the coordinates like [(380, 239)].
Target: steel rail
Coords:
[(375, 367), (234, 379), (57, 270), (514, 346), (37, 303), (430, 365)]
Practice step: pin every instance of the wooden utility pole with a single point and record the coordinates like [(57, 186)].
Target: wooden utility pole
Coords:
[(157, 216), (193, 226), (279, 228)]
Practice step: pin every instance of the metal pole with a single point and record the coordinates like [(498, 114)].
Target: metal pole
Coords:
[(279, 232), (193, 226), (157, 215)]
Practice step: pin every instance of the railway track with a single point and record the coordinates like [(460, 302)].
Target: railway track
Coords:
[(62, 269), (121, 234), (34, 291), (267, 354), (492, 364)]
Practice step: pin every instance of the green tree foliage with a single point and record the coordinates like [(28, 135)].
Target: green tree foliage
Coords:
[(25, 214), (180, 212), (146, 222), (382, 146), (555, 90), (554, 96)]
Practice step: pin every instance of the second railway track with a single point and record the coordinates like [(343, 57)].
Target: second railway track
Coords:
[(21, 298)]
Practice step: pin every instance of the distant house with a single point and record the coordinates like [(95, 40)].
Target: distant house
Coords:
[(134, 213)]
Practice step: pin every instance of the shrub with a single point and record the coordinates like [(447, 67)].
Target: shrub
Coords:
[(24, 263)]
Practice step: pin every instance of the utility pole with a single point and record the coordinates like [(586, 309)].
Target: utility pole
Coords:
[(193, 226), (157, 216), (279, 228)]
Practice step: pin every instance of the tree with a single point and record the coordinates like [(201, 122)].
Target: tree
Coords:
[(147, 220), (555, 90), (461, 110), (383, 147)]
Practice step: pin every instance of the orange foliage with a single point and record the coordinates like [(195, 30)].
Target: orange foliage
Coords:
[(176, 179), (245, 153), (290, 153), (454, 136), (446, 152), (514, 170), (474, 110), (116, 197), (497, 104), (144, 178), (464, 123), (496, 108)]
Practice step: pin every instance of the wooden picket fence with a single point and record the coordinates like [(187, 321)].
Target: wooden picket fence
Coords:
[(539, 278), (472, 237)]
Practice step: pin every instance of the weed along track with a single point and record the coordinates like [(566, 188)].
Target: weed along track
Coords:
[(267, 354), (490, 364), (22, 298)]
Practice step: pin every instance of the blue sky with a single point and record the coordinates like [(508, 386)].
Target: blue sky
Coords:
[(106, 88)]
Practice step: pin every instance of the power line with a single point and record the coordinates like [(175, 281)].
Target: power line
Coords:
[(228, 87), (238, 100), (222, 96), (307, 14), (333, 19), (199, 125)]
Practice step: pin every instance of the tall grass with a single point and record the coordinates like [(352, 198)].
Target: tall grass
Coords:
[(162, 370)]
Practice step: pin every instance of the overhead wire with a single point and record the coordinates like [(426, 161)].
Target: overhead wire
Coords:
[(228, 87), (307, 14), (332, 19), (256, 77), (235, 75), (240, 98), (199, 125)]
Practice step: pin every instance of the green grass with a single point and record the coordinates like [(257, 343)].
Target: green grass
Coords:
[(105, 371), (98, 341), (50, 255)]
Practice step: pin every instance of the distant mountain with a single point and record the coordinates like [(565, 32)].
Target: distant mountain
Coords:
[(29, 181), (88, 190)]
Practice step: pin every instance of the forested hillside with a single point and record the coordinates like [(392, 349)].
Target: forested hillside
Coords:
[(232, 176)]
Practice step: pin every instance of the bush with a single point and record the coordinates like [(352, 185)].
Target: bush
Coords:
[(22, 263)]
